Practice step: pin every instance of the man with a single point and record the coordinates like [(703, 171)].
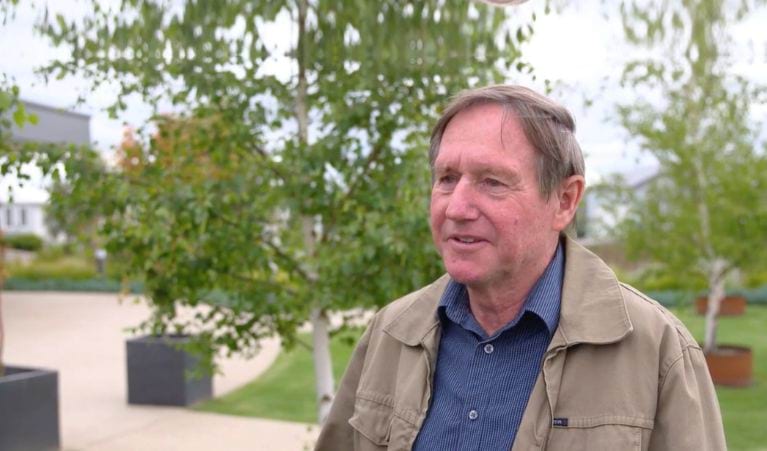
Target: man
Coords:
[(529, 342)]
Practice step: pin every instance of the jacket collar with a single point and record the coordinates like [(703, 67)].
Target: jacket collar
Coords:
[(592, 311), (419, 317)]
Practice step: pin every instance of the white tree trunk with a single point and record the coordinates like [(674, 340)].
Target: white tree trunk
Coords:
[(716, 267), (323, 365), (715, 295), (323, 368)]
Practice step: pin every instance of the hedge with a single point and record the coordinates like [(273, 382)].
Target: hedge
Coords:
[(85, 285), (675, 298), (65, 268), (24, 241)]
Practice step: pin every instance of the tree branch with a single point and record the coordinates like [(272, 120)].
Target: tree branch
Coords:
[(269, 164), (292, 262), (372, 158)]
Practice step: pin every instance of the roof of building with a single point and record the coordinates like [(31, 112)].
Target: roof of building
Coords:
[(54, 125)]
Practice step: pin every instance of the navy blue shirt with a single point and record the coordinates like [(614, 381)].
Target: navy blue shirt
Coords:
[(481, 383)]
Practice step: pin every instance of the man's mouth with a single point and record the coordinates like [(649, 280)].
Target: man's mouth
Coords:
[(465, 239)]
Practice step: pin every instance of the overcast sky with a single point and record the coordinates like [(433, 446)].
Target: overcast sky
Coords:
[(580, 49)]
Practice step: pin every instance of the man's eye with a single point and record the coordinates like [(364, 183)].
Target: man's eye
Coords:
[(493, 183), (447, 179)]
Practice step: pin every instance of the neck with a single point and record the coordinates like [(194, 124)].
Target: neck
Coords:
[(494, 309), (495, 306)]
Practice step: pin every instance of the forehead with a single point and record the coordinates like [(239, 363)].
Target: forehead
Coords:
[(486, 134)]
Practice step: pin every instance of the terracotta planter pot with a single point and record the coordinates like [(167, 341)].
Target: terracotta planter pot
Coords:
[(730, 306), (731, 366)]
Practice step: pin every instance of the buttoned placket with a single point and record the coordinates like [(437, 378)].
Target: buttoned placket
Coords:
[(475, 405)]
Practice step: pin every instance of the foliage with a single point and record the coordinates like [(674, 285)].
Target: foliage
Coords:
[(95, 284), (704, 214), (12, 112), (23, 241), (284, 390), (71, 268), (659, 279), (54, 251), (756, 278), (66, 268), (287, 190)]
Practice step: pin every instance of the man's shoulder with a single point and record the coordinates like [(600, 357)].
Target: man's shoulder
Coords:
[(416, 309), (425, 299), (652, 320)]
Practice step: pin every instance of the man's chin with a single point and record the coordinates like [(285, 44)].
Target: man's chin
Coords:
[(465, 277)]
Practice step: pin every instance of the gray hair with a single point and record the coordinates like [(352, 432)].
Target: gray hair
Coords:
[(548, 126)]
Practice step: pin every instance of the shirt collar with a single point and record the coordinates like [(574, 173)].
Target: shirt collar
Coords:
[(544, 299)]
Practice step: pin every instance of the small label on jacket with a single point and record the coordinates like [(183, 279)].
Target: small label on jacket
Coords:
[(559, 422)]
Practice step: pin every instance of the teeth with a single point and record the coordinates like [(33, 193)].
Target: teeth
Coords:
[(466, 240)]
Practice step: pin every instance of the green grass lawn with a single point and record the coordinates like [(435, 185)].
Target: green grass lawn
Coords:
[(744, 410), (286, 390)]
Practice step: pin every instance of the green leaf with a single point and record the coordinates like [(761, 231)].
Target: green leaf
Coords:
[(19, 115), (5, 101)]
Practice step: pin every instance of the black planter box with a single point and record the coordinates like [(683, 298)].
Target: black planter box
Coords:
[(161, 374), (29, 409)]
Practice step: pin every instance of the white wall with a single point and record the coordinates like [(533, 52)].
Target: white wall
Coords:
[(24, 218)]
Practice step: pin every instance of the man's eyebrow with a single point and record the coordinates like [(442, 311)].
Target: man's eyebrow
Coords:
[(443, 168), (509, 175)]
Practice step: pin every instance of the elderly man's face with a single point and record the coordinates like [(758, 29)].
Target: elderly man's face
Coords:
[(489, 220)]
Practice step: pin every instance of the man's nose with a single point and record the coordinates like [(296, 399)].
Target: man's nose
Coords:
[(461, 205)]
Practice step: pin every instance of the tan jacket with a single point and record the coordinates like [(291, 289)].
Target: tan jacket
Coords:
[(623, 371)]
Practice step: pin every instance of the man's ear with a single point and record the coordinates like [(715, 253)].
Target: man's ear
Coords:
[(568, 196)]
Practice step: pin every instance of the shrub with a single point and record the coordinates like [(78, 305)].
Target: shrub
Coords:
[(24, 241), (658, 280), (51, 252), (756, 278), (70, 268), (85, 285)]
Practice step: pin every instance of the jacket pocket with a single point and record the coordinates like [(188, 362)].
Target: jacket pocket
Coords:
[(379, 425), (372, 420), (609, 432)]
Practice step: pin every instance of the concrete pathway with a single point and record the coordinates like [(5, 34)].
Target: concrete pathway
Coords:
[(82, 335)]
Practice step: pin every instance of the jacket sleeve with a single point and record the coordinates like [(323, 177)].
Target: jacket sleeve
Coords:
[(687, 416), (336, 432)]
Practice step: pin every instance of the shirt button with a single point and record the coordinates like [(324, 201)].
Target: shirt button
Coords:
[(489, 348), (473, 415)]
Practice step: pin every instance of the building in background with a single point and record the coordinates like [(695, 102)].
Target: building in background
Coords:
[(26, 211)]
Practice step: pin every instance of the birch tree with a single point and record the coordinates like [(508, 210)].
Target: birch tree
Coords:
[(298, 185), (705, 213)]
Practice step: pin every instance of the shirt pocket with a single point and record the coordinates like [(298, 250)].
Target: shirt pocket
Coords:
[(610, 432)]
